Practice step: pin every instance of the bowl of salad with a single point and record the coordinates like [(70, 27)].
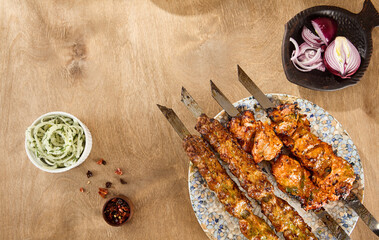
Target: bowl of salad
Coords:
[(57, 142)]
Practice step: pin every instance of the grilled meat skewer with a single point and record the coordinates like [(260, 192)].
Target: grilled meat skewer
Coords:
[(283, 217), (289, 174), (255, 137), (251, 178), (330, 172), (291, 177), (235, 203), (352, 199)]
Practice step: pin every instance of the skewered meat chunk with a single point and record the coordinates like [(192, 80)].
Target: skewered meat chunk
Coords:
[(282, 216), (329, 172), (255, 137), (293, 179), (235, 203), (244, 128)]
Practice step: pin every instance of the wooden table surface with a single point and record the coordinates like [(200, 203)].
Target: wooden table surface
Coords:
[(109, 63)]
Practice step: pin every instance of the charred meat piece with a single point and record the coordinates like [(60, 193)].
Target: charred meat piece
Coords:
[(293, 179), (282, 216), (255, 137), (235, 203), (329, 172), (285, 118), (243, 127), (267, 146)]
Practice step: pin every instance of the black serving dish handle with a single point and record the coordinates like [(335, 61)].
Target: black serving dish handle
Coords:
[(355, 27)]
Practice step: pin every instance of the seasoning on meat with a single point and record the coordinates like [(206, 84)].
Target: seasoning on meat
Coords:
[(283, 217), (235, 203), (255, 137), (293, 179), (330, 172)]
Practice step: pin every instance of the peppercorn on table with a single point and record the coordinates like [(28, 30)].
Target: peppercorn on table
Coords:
[(108, 63)]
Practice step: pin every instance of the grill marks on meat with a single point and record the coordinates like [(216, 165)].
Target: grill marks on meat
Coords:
[(293, 179), (255, 137), (283, 217), (331, 173), (235, 203)]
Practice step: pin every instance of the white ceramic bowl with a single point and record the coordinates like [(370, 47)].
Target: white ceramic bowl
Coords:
[(83, 157)]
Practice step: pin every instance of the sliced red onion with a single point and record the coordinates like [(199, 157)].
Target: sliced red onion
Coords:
[(342, 58), (310, 38), (305, 58), (326, 28)]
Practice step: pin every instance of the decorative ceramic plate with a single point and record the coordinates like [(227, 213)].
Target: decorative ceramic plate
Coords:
[(218, 224)]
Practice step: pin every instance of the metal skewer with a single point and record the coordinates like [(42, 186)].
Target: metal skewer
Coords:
[(192, 105), (183, 133), (174, 121), (324, 216), (352, 201)]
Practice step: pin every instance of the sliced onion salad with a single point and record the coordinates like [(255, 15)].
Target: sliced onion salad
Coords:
[(58, 141), (340, 58)]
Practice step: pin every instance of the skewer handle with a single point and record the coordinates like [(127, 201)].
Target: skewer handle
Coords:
[(332, 225), (363, 213)]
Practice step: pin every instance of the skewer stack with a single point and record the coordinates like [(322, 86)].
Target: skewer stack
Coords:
[(246, 142)]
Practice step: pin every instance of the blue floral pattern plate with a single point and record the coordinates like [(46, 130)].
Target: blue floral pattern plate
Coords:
[(218, 224)]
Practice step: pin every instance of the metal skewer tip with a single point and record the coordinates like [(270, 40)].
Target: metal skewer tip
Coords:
[(174, 120), (223, 101), (190, 103), (254, 90)]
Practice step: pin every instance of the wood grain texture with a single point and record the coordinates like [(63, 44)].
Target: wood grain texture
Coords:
[(109, 63)]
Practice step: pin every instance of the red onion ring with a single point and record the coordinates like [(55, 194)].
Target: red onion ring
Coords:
[(310, 38), (306, 58)]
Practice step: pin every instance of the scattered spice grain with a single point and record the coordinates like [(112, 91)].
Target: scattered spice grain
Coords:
[(101, 162), (89, 174), (118, 171), (103, 192)]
